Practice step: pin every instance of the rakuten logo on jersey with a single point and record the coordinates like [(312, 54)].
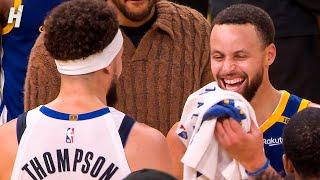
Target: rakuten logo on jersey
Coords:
[(273, 141)]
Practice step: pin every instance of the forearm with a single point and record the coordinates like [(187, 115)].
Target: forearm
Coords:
[(176, 150)]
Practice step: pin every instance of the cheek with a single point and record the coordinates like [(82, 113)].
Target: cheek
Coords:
[(215, 68), (253, 72)]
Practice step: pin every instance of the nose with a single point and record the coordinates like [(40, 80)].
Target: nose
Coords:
[(228, 65)]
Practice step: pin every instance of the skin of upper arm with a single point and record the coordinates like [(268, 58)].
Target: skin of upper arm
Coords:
[(147, 148), (176, 150), (8, 149), (314, 105)]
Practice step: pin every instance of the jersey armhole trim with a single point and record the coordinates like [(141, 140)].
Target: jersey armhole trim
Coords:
[(125, 128), (21, 125), (304, 104)]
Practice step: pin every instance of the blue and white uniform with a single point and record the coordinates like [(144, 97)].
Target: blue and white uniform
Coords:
[(55, 145), (272, 128), (17, 44)]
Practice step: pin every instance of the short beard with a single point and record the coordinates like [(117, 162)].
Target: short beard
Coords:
[(136, 17), (253, 87), (112, 96)]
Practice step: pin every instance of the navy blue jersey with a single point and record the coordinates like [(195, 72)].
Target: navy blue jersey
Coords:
[(272, 128), (17, 43)]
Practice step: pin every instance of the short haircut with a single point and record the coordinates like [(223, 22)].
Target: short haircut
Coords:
[(301, 141), (79, 28), (240, 14)]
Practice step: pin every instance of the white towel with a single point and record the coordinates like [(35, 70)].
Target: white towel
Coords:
[(204, 159)]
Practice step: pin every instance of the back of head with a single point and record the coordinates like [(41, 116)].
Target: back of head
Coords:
[(301, 141), (240, 14), (149, 174), (79, 28)]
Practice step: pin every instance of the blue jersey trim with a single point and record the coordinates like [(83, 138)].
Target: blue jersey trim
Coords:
[(125, 129), (63, 116), (1, 107), (292, 106), (21, 125)]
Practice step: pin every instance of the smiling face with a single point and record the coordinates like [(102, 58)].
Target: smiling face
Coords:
[(135, 10), (238, 58)]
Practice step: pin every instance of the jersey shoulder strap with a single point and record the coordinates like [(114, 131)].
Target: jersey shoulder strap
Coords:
[(21, 125), (125, 128)]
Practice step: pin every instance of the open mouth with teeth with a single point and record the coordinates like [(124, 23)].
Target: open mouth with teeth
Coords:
[(232, 84)]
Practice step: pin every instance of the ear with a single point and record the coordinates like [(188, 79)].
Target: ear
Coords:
[(107, 70), (288, 166), (271, 53)]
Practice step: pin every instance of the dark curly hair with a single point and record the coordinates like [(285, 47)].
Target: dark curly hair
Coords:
[(246, 13), (79, 28), (301, 141)]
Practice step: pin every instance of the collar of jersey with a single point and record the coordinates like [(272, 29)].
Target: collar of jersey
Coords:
[(64, 116)]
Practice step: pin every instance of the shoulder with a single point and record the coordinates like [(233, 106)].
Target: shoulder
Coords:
[(8, 148), (139, 132), (7, 133), (143, 133), (147, 148), (311, 104)]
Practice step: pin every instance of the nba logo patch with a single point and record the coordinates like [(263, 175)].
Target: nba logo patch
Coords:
[(70, 135)]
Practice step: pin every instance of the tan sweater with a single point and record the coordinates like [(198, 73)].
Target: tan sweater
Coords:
[(171, 62)]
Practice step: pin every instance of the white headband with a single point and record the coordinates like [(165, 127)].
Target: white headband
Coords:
[(93, 62)]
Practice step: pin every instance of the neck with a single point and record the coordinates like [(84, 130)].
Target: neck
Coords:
[(265, 101), (124, 21), (79, 95)]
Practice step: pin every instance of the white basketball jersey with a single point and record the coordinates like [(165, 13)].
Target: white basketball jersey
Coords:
[(57, 146)]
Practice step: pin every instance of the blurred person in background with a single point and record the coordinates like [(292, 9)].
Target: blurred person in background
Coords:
[(199, 5)]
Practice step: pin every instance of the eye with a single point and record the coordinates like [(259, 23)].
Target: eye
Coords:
[(217, 57), (241, 56)]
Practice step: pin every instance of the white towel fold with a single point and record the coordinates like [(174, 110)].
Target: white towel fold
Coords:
[(204, 159)]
